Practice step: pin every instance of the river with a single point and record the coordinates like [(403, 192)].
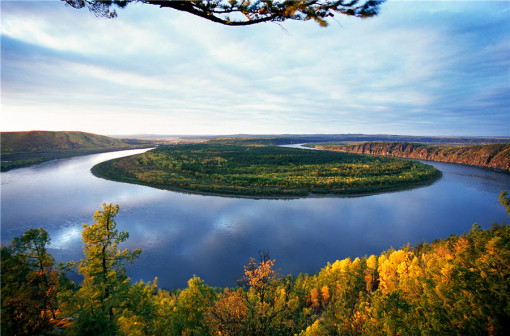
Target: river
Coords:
[(182, 235)]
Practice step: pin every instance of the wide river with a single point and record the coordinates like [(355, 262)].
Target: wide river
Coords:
[(213, 237)]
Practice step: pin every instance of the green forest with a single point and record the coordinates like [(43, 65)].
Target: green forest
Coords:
[(253, 168), (453, 286)]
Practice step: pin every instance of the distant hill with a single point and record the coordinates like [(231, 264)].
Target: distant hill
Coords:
[(46, 141), (21, 149), (495, 156), (283, 139)]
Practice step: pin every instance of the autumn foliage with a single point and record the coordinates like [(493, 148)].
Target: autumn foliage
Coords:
[(453, 286)]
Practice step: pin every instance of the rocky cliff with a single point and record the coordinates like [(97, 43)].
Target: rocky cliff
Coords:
[(495, 156)]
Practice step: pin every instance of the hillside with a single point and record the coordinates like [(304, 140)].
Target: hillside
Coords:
[(45, 141), (20, 149), (496, 156)]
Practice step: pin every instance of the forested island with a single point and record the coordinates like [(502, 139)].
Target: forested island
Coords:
[(21, 149), (253, 168), (453, 286), (496, 156)]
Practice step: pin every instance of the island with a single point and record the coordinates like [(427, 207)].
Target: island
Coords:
[(255, 169)]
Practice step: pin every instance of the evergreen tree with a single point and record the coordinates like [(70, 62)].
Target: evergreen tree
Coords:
[(29, 284), (105, 284)]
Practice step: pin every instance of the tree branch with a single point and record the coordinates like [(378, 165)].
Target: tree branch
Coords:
[(249, 13)]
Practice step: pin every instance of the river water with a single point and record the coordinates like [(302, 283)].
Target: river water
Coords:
[(182, 235)]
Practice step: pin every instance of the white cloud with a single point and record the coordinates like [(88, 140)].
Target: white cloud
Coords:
[(165, 70)]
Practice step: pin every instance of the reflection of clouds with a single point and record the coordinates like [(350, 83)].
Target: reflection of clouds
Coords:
[(67, 238), (224, 222), (114, 155)]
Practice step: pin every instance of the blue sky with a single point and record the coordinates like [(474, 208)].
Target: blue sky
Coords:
[(419, 68)]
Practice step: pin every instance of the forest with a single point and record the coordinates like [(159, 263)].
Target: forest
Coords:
[(453, 286), (251, 167)]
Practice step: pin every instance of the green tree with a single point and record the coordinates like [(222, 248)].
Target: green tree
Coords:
[(191, 308), (105, 284), (140, 311), (243, 13), (29, 284), (505, 201)]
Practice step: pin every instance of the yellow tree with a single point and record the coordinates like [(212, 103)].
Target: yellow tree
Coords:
[(342, 294)]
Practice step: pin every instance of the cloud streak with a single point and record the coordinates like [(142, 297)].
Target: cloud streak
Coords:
[(424, 68)]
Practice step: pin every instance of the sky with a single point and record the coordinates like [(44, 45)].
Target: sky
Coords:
[(437, 68)]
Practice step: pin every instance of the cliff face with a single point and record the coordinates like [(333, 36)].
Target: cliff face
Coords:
[(495, 156)]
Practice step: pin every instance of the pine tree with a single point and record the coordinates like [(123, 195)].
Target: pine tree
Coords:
[(29, 284), (105, 285)]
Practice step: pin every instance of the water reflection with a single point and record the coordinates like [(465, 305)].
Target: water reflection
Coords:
[(213, 237)]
